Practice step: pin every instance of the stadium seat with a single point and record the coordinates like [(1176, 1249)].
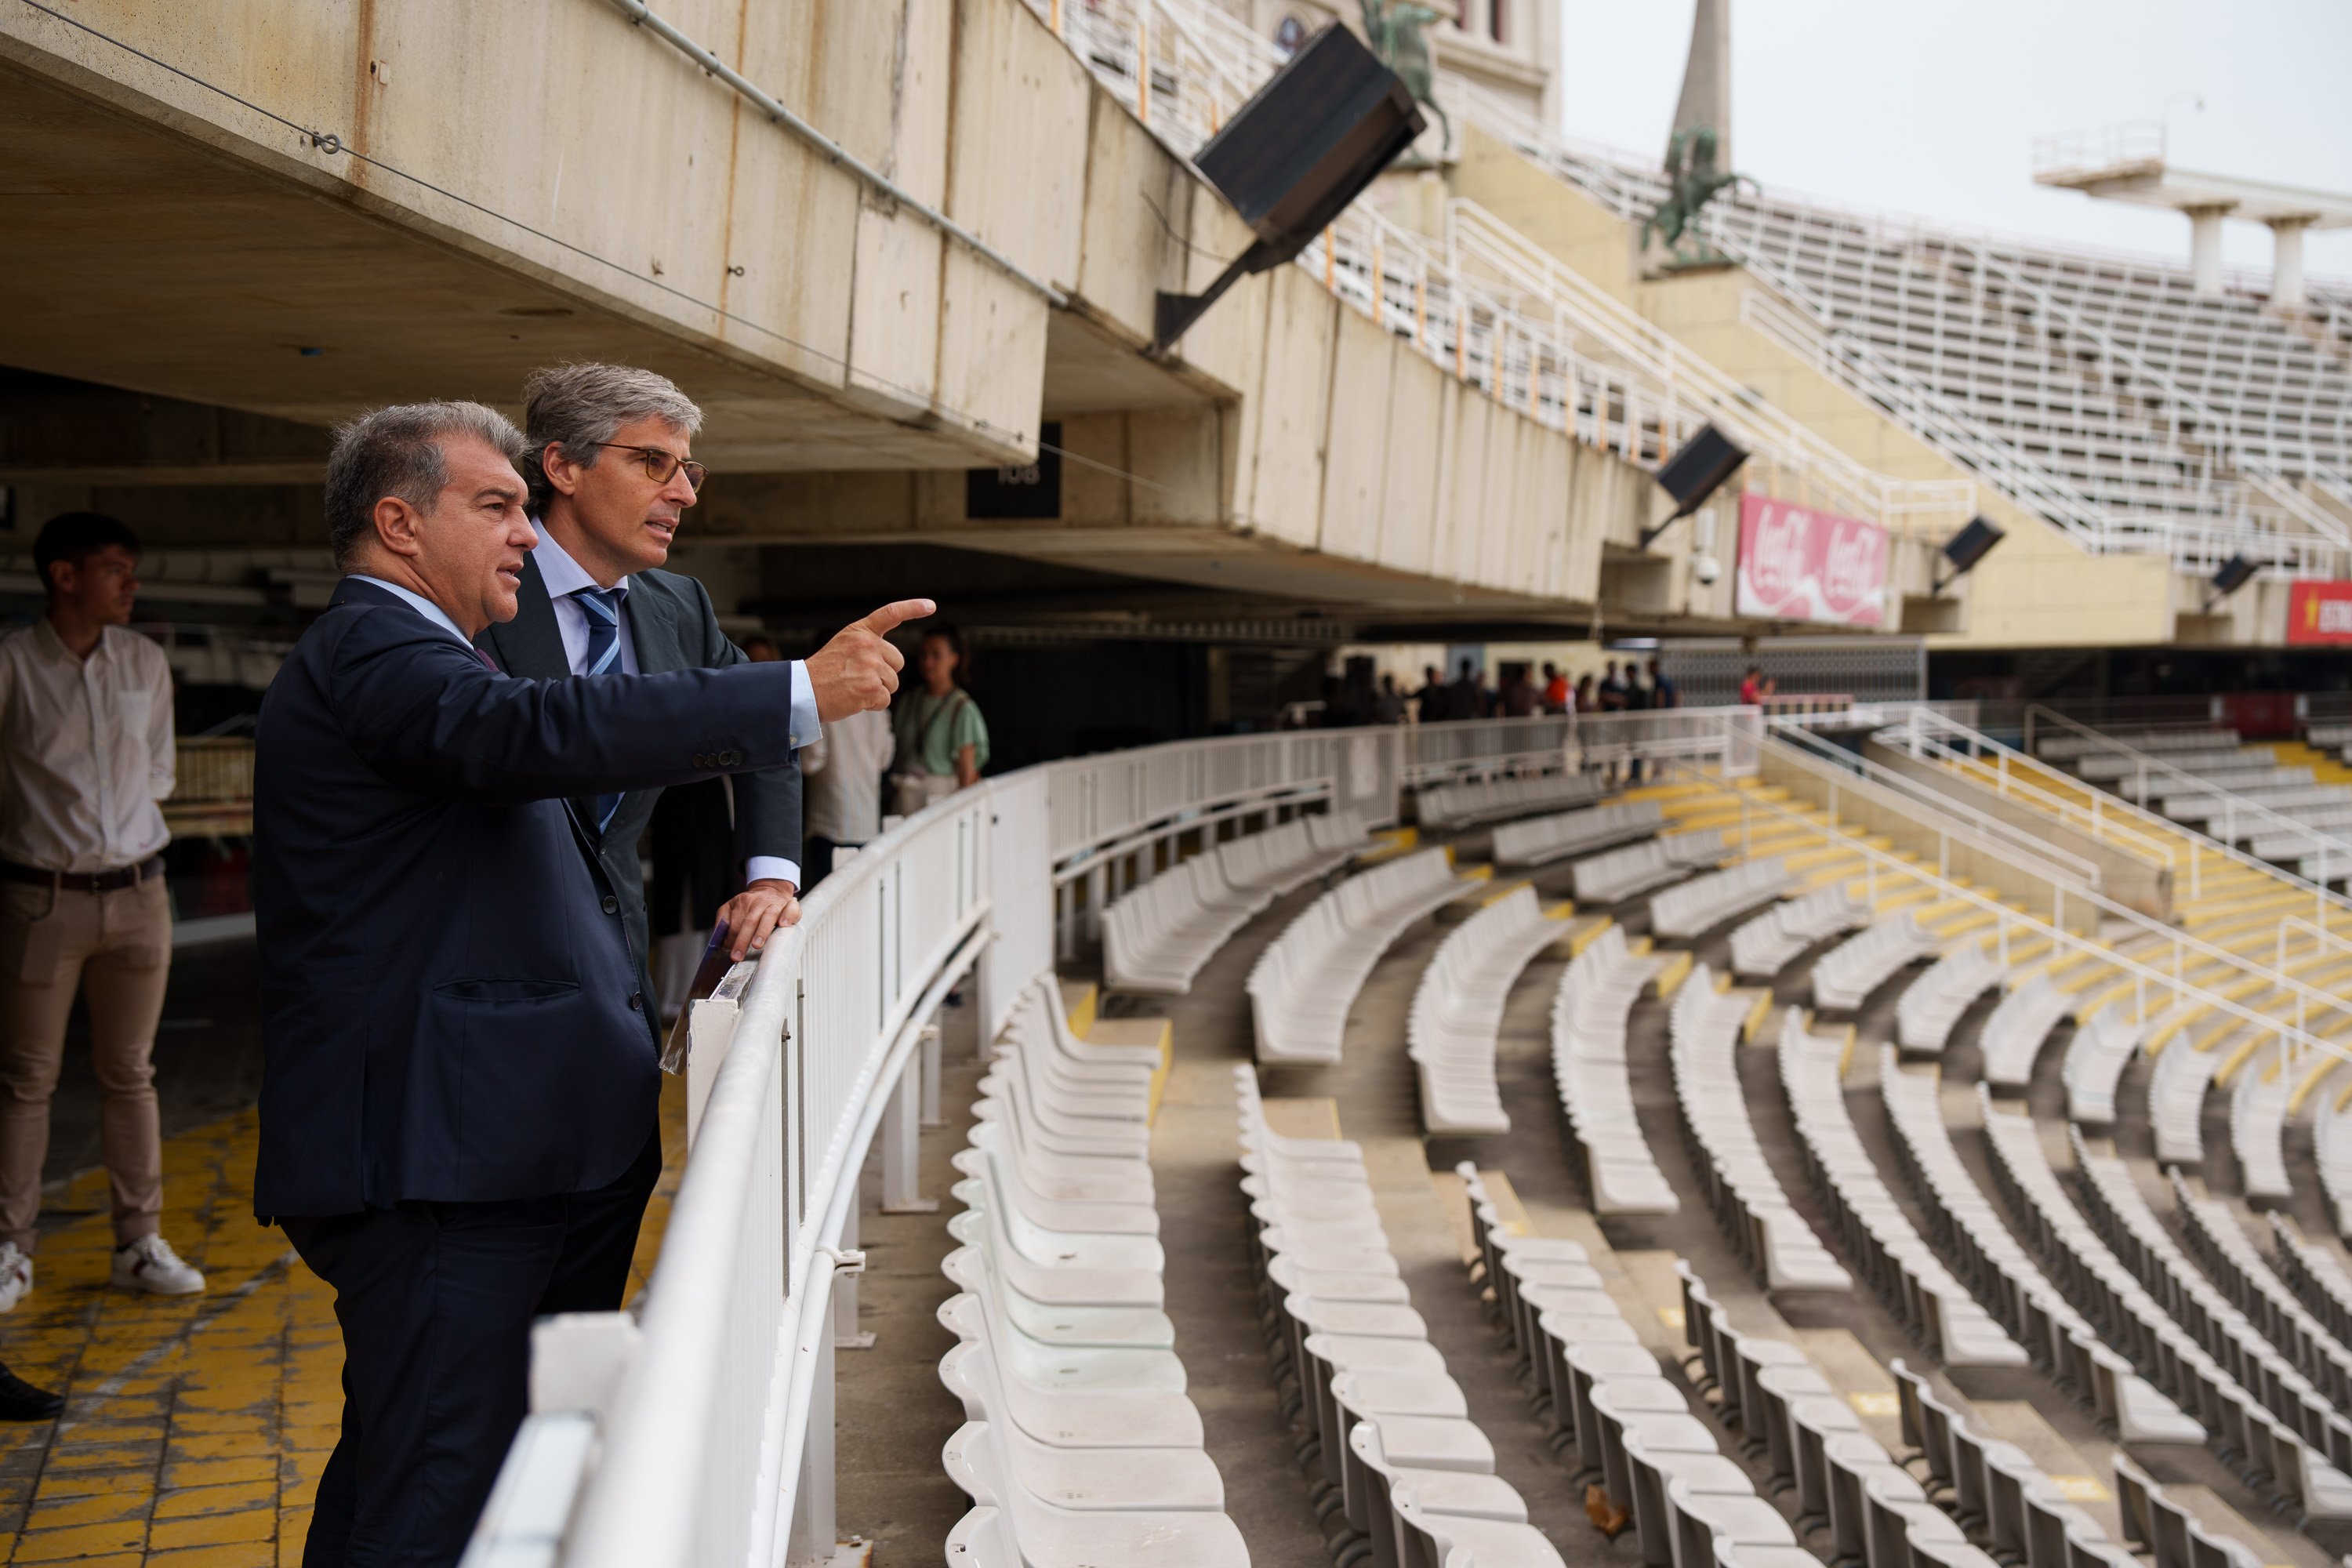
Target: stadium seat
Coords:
[(1588, 1056), (1157, 937), (1846, 975), (1543, 839), (1306, 982), (2096, 1058), (1704, 902), (2016, 1028), (1932, 1002), (1457, 1012), (1493, 800), (1762, 947), (1621, 874)]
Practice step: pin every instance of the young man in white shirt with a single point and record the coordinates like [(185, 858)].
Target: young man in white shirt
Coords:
[(86, 751)]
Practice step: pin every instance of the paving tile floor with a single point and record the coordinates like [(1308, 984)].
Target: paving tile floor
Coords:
[(194, 1427)]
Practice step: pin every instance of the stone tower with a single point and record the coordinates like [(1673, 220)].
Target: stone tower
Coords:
[(1706, 79)]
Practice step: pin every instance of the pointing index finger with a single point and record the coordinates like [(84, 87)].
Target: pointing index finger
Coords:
[(887, 620)]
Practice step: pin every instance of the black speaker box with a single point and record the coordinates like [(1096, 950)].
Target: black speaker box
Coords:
[(1969, 546), (1698, 470)]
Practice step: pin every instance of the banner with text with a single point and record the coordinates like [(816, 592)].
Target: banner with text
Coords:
[(2318, 613), (1797, 564)]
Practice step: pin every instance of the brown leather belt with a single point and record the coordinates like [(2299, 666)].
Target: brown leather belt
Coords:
[(82, 881)]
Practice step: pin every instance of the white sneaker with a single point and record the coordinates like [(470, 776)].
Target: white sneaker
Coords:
[(16, 1275), (150, 1264)]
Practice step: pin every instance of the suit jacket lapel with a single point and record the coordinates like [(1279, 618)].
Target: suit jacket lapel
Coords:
[(653, 632), (532, 644)]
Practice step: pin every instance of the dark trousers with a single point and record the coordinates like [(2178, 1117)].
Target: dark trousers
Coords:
[(435, 1302)]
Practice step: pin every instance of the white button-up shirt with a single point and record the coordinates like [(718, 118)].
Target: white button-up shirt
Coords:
[(86, 750), (564, 577), (843, 771)]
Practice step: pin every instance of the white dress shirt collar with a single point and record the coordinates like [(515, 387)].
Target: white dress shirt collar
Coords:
[(563, 575), (419, 603)]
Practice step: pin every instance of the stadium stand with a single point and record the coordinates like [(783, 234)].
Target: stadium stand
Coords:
[(2014, 1032), (1544, 839), (1588, 1056), (1157, 937), (1932, 1003), (1622, 874), (1468, 805), (1303, 984), (1767, 944), (1457, 1010), (2232, 1262), (1850, 971), (2096, 1058), (1706, 902)]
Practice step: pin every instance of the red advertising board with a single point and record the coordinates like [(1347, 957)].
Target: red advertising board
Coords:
[(2320, 613), (1797, 564)]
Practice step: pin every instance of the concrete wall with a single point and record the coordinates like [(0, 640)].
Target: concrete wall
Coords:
[(2128, 878)]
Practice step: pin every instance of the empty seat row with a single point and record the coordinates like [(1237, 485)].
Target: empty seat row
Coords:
[(1390, 1435), (1457, 1011), (1762, 947), (2105, 767), (1078, 1444), (1997, 1488), (2258, 1103), (1932, 1003), (1589, 1065), (1704, 902), (2327, 737), (1620, 874), (2331, 1144), (1703, 1032), (2016, 1028), (2119, 1210), (1493, 800), (2177, 795), (2096, 1058), (1859, 965), (1875, 1512), (2237, 1425), (1306, 981), (1894, 1258), (2066, 748), (2169, 1532), (2230, 1261), (1157, 937), (2322, 1283), (2003, 1274), (1540, 840), (1651, 1463), (2176, 1102)]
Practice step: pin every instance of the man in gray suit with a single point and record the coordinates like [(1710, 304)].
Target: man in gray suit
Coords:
[(611, 475)]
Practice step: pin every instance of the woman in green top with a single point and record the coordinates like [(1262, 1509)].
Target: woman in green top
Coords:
[(942, 738)]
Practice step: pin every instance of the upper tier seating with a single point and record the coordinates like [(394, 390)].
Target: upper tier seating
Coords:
[(1493, 800), (1702, 1030), (2258, 1103), (1603, 1395), (1078, 1444), (2016, 1028), (1391, 1426), (1620, 874), (1305, 982), (1932, 1003), (1588, 1060), (1846, 975), (2096, 1060), (1767, 944), (1156, 939), (2068, 748), (2109, 767), (2113, 1200), (2176, 1102), (2230, 1259), (1893, 1257), (1542, 839), (2019, 1295), (1457, 1012), (1704, 902), (2134, 1322)]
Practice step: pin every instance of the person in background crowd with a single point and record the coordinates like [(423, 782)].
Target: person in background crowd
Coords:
[(1388, 707), (1637, 700), (843, 769), (942, 741), (1555, 690), (86, 749), (1663, 693), (1585, 699), (1520, 698), (1430, 703), (1751, 687), (1463, 697), (1612, 689)]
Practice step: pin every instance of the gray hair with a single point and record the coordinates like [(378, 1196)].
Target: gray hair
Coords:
[(397, 451), (578, 406)]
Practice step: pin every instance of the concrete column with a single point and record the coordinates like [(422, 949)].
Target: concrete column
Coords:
[(2205, 247), (2286, 260)]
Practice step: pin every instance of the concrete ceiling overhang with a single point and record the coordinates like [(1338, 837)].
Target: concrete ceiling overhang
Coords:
[(144, 259)]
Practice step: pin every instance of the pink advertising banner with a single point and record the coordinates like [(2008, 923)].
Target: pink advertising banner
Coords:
[(1797, 564)]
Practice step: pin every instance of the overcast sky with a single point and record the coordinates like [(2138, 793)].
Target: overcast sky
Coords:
[(1930, 107)]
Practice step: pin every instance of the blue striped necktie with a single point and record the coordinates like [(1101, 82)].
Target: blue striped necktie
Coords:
[(601, 609)]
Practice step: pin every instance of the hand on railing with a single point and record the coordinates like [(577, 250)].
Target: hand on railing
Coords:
[(858, 669)]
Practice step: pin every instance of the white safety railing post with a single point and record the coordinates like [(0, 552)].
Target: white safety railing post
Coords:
[(814, 1533), (902, 1181), (931, 1069)]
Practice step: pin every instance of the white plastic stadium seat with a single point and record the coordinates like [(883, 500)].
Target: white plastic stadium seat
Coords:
[(1620, 874), (2096, 1060), (2017, 1027), (1157, 937), (1765, 945), (1457, 1012), (1588, 1057), (1542, 839), (1850, 971), (1932, 1003), (2175, 1100), (1492, 800), (1704, 902), (1307, 980)]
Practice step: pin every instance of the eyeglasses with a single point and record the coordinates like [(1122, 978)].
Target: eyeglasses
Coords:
[(661, 466)]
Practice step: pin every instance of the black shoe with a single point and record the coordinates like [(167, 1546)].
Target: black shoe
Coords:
[(20, 1401)]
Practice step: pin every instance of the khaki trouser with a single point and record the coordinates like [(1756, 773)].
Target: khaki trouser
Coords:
[(50, 943)]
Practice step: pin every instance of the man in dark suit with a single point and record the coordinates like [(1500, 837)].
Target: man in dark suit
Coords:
[(452, 1019), (611, 469)]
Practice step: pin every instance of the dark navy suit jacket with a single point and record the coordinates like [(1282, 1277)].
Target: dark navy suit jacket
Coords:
[(450, 1010)]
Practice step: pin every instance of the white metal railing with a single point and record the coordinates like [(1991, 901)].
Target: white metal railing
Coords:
[(2109, 147)]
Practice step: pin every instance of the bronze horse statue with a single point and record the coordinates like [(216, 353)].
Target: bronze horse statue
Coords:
[(1399, 32)]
